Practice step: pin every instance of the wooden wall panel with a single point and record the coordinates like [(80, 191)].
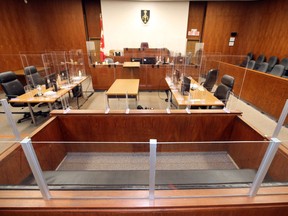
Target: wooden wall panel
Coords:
[(93, 10), (49, 154), (260, 25), (39, 26), (246, 155), (196, 18)]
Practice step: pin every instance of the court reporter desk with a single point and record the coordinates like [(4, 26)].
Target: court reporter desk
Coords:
[(118, 132), (122, 88)]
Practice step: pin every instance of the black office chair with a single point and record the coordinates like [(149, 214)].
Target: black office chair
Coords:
[(33, 77), (250, 55), (261, 58), (284, 62), (263, 67), (247, 58), (13, 88), (251, 64), (278, 70), (224, 89), (272, 61), (210, 79)]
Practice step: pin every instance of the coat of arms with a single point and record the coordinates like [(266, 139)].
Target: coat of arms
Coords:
[(145, 16)]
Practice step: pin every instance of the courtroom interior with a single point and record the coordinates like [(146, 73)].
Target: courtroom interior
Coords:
[(144, 107)]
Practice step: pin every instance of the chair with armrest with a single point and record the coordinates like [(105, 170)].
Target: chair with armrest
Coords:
[(210, 79), (263, 67), (13, 88), (272, 61), (251, 64), (261, 58), (284, 62), (144, 45), (278, 70), (33, 77), (247, 58), (224, 89)]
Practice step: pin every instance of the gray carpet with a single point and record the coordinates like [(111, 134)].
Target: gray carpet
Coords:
[(140, 161), (137, 177), (120, 171)]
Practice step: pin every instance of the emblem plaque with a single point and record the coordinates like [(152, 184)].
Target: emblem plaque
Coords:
[(145, 16)]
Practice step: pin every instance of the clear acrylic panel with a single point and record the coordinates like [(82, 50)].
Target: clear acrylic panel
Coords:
[(93, 167)]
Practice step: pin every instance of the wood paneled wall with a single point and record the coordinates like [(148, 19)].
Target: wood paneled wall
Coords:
[(38, 26), (59, 25), (196, 18), (93, 10), (261, 27)]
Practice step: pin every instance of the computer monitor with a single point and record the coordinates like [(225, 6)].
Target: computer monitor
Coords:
[(117, 53), (149, 60), (136, 60), (185, 86)]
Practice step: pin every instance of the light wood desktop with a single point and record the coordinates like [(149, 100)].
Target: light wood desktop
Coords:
[(48, 96), (197, 97), (122, 87), (131, 64)]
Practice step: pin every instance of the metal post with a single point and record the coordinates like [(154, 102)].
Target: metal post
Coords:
[(35, 167), (264, 166), (10, 119), (152, 173), (281, 120), (106, 100), (169, 103), (127, 105)]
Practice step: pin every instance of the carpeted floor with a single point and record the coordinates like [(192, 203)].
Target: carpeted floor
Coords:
[(140, 161)]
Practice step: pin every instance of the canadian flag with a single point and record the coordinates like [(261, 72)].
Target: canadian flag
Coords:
[(102, 45)]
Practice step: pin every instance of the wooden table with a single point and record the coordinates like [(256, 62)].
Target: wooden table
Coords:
[(122, 88), (31, 98), (198, 97)]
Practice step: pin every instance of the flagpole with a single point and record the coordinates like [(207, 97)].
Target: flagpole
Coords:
[(102, 44)]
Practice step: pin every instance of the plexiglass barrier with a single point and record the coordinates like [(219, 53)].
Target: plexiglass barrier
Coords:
[(176, 168), (151, 167)]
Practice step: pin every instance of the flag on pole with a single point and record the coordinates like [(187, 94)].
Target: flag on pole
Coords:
[(102, 45)]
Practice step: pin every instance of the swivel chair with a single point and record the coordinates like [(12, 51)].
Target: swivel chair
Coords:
[(272, 61), (13, 88), (210, 79), (261, 58), (33, 77), (278, 70), (263, 67), (251, 64), (248, 58), (224, 89), (284, 62), (144, 45)]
